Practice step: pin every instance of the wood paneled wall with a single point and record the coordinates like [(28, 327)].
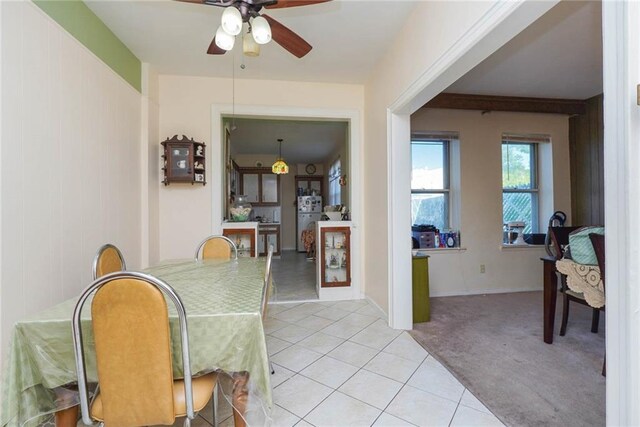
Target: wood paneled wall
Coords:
[(70, 167), (586, 139)]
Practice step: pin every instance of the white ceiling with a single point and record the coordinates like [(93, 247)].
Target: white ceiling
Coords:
[(304, 141), (348, 38), (558, 56)]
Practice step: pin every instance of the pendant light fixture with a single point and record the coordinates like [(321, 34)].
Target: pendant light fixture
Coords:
[(249, 45), (231, 21), (224, 40), (231, 25), (280, 167), (261, 30)]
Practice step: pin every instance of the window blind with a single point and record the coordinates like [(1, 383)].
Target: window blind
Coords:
[(525, 138)]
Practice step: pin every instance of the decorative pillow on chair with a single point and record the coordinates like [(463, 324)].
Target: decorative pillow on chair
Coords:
[(581, 248)]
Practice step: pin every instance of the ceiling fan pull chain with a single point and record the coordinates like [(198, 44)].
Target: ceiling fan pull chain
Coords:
[(233, 93)]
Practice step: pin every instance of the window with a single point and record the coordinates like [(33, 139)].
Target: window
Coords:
[(520, 183), (430, 182), (334, 183)]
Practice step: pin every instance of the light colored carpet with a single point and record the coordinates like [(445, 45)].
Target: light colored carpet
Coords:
[(493, 345)]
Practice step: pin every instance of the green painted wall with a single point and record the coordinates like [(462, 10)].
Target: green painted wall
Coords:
[(75, 17)]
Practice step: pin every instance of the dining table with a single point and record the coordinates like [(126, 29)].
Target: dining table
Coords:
[(222, 300)]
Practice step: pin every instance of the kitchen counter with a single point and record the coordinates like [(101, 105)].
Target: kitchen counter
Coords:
[(249, 223), (260, 224)]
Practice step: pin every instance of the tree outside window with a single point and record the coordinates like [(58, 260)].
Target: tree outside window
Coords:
[(520, 184)]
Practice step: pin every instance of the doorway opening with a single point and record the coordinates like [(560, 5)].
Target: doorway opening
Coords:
[(287, 207), (494, 141)]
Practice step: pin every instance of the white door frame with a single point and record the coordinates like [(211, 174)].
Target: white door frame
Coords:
[(499, 24), (622, 209), (218, 111), (621, 64)]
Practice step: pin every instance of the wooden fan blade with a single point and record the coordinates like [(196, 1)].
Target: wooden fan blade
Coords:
[(214, 49), (291, 3), (192, 1), (287, 38)]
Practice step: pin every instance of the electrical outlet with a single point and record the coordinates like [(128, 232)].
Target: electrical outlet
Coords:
[(482, 269)]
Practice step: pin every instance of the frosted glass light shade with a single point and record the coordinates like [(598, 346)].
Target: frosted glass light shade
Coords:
[(249, 45), (232, 21), (224, 40), (261, 30)]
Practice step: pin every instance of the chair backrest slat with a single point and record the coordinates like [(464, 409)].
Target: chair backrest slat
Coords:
[(133, 349), (266, 290), (133, 353), (560, 238), (217, 247), (108, 259), (597, 240)]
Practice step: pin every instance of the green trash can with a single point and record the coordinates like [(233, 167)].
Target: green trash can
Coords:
[(420, 285)]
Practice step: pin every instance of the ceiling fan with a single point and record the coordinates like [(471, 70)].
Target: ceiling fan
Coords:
[(262, 28)]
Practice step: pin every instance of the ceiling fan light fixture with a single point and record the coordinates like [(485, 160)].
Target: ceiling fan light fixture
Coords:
[(232, 21), (261, 30), (224, 40), (249, 45)]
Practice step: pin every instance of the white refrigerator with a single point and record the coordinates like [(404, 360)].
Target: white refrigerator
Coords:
[(309, 212)]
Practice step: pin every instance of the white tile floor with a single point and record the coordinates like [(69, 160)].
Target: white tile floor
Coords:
[(338, 364)]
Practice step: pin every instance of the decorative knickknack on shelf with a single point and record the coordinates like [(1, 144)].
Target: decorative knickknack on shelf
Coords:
[(183, 161), (240, 210)]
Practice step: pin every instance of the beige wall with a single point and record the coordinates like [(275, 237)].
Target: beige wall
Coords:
[(511, 269), (432, 29), (185, 108), (70, 164)]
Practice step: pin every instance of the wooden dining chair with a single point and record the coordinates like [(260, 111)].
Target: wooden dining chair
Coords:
[(108, 259), (131, 333), (559, 240), (597, 240), (216, 247), (266, 292)]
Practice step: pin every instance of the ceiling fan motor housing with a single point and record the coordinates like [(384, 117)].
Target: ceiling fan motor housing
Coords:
[(264, 28)]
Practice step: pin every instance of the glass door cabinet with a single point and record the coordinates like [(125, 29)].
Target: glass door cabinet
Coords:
[(335, 250)]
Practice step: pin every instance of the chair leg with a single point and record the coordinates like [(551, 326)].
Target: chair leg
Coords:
[(565, 314), (595, 320), (187, 422), (215, 404), (273, 371), (604, 366)]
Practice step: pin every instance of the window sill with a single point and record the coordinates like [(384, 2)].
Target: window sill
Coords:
[(419, 252), (507, 248)]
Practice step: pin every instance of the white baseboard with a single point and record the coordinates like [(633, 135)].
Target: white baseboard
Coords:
[(484, 292), (373, 303)]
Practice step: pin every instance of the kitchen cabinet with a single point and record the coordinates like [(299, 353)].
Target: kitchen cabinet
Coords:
[(309, 183), (183, 161), (261, 186), (335, 257), (268, 234), (244, 235)]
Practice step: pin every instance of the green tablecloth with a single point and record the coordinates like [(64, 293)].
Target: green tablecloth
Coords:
[(222, 300)]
